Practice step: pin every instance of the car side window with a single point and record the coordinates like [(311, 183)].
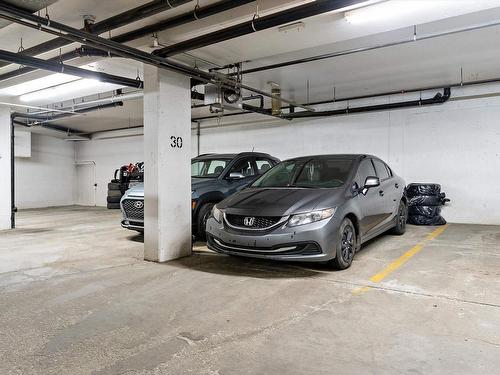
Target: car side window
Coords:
[(389, 170), (263, 165), (365, 170), (381, 169), (244, 166)]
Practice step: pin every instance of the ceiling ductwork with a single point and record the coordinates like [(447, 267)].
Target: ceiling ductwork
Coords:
[(148, 30)]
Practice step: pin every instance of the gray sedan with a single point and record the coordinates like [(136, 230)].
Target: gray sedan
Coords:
[(315, 208)]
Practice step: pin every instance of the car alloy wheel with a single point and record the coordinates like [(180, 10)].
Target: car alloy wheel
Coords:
[(402, 215), (347, 247)]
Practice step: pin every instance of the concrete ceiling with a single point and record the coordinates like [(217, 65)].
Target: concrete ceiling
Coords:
[(421, 63)]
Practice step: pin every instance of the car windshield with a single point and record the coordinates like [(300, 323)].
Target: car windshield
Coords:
[(208, 168), (315, 173)]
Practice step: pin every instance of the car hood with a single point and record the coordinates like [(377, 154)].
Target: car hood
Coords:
[(280, 201), (136, 191)]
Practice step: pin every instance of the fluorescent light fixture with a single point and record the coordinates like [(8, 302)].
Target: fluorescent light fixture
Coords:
[(62, 89), (383, 11), (37, 84)]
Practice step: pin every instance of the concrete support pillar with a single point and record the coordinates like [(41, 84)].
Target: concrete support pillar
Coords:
[(167, 157), (5, 141)]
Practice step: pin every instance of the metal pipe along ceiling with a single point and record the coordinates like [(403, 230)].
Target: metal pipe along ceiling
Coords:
[(436, 99), (107, 24), (257, 24), (41, 118), (56, 28), (168, 23), (366, 49), (67, 69)]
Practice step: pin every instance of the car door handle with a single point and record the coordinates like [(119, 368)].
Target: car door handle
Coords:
[(381, 193), (396, 185)]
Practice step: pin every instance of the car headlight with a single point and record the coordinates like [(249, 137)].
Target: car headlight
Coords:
[(217, 214), (311, 217)]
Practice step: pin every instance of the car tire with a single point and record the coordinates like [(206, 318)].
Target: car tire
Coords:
[(201, 220), (114, 193), (114, 186), (114, 199), (113, 206), (401, 219), (346, 245)]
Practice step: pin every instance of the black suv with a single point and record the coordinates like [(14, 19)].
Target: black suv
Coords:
[(214, 177)]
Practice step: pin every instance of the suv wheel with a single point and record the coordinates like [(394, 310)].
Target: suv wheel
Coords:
[(346, 245), (401, 219), (203, 215)]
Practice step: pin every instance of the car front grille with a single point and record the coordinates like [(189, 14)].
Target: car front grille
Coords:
[(252, 222), (307, 248), (133, 212)]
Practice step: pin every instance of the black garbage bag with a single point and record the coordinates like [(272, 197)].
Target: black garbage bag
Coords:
[(414, 190), (427, 211), (424, 220), (428, 200), (424, 204)]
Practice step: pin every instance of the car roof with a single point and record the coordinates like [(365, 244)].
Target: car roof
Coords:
[(231, 156), (334, 156)]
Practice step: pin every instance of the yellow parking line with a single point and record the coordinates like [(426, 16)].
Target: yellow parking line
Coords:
[(393, 266)]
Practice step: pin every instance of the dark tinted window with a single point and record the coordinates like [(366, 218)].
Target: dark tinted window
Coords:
[(263, 165), (365, 170), (317, 173), (280, 176), (324, 173), (382, 172), (389, 170), (244, 167)]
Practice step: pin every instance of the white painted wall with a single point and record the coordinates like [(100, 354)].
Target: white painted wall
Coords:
[(108, 155), (48, 177), (456, 144)]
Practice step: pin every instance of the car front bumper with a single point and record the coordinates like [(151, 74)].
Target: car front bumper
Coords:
[(133, 225), (313, 242)]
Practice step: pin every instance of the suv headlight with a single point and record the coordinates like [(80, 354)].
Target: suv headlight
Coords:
[(311, 217), (217, 214)]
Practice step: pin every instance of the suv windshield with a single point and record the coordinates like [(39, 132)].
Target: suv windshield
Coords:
[(316, 173), (208, 168)]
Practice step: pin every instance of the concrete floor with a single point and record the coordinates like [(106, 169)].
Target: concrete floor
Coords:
[(76, 298)]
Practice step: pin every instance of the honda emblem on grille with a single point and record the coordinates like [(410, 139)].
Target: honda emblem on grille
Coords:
[(138, 204), (249, 221)]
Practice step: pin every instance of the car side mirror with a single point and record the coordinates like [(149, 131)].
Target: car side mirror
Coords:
[(236, 176), (370, 182)]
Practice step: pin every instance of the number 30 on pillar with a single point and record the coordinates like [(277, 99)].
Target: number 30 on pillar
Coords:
[(176, 142)]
